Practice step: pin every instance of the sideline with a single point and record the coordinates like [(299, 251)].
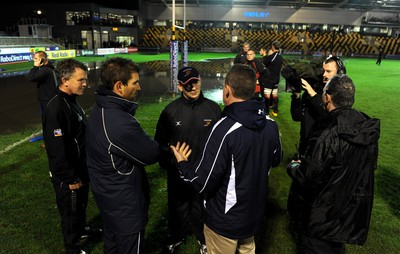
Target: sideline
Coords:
[(33, 135), (8, 148)]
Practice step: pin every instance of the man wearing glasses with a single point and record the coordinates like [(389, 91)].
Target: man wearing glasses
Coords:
[(189, 118)]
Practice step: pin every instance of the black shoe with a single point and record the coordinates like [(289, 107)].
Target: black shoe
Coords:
[(168, 249), (203, 248), (88, 231)]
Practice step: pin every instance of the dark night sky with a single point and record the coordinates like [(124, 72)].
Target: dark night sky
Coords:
[(11, 13)]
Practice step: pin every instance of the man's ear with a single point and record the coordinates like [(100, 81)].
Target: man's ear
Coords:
[(227, 91), (328, 100), (118, 87), (328, 97), (180, 87)]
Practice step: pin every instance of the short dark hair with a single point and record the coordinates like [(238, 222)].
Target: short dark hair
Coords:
[(251, 49), (242, 79), (66, 68), (342, 90), (340, 68), (276, 44), (117, 69), (41, 53)]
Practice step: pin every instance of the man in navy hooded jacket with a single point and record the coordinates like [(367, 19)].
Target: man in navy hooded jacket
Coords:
[(233, 167), (117, 151)]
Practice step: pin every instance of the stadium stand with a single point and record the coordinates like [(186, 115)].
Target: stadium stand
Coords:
[(344, 44)]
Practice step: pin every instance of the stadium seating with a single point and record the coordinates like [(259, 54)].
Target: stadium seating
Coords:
[(344, 44)]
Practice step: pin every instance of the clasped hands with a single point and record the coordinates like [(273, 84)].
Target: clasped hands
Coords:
[(75, 186), (181, 151)]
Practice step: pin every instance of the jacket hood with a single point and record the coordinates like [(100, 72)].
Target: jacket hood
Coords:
[(251, 113), (357, 127), (108, 99)]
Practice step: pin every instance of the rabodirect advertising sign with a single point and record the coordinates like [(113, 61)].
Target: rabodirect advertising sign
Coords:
[(14, 55), (15, 58)]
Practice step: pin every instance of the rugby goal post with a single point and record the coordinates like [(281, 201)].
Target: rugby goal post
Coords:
[(174, 48)]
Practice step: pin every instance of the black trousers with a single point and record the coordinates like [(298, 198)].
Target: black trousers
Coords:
[(295, 204), (185, 210), (72, 208), (123, 244), (309, 245)]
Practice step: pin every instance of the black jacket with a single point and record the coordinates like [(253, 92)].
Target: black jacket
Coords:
[(240, 58), (261, 71), (273, 63), (309, 111), (336, 176), (64, 127), (118, 150), (186, 121), (233, 169), (46, 81)]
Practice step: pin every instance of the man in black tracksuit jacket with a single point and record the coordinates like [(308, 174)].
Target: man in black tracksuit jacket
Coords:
[(259, 68), (241, 57), (188, 118), (64, 125), (43, 73), (273, 62)]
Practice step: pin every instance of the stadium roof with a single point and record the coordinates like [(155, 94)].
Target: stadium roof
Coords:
[(361, 5)]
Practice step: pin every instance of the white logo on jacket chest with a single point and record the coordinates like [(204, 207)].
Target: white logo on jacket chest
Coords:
[(178, 123)]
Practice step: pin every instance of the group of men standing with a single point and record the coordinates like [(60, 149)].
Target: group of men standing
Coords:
[(330, 200), (268, 72), (217, 161)]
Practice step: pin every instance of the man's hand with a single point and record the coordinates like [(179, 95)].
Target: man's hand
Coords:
[(308, 87), (181, 152), (38, 62), (75, 186), (292, 167)]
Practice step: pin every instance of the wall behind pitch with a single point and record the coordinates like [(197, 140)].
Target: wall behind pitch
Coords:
[(251, 14)]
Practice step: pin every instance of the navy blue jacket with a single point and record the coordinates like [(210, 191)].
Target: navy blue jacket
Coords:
[(233, 169), (117, 151)]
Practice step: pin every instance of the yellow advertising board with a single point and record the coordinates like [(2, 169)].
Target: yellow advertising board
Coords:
[(59, 54)]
